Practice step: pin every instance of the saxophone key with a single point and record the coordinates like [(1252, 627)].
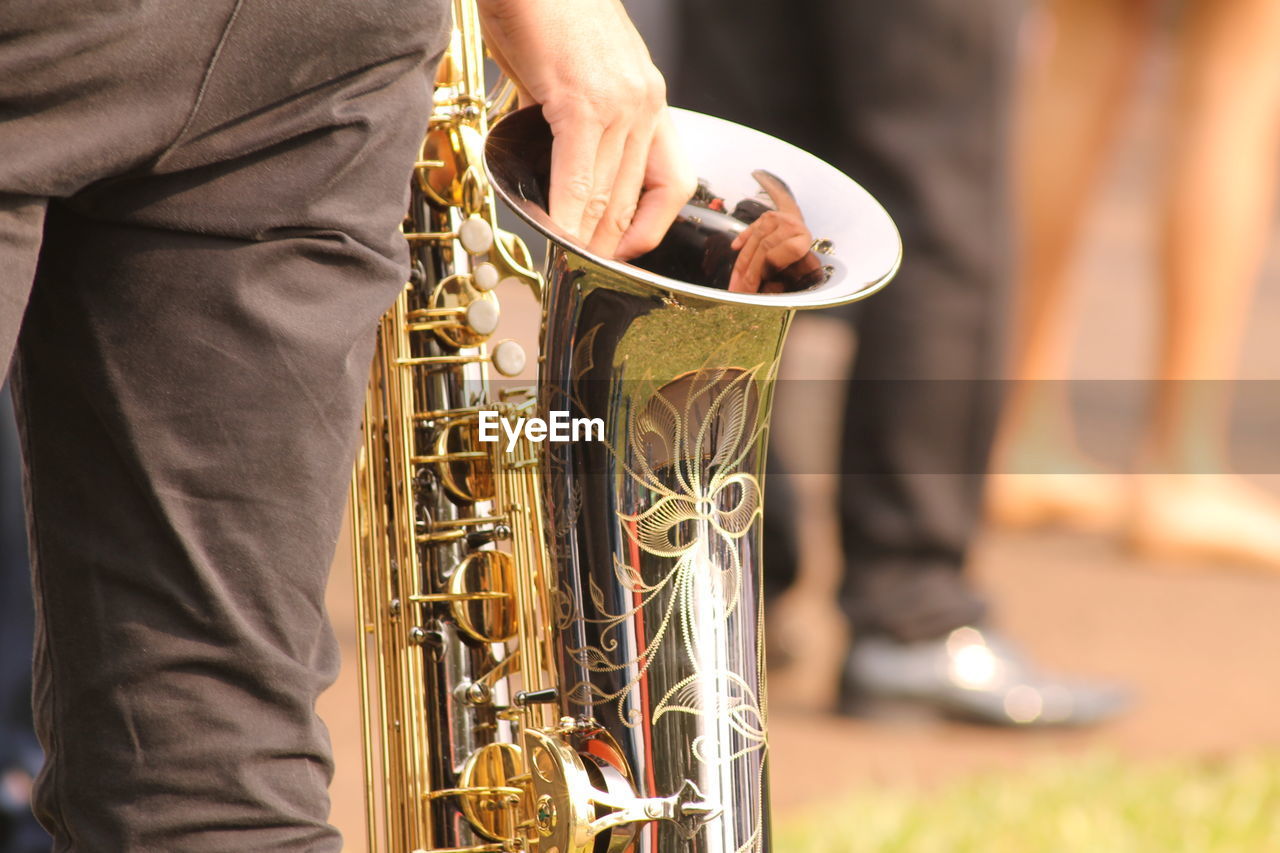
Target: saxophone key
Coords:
[(508, 358), (485, 277), (482, 316), (475, 235)]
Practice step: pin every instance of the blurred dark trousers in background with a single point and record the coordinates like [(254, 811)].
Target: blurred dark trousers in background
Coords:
[(911, 99)]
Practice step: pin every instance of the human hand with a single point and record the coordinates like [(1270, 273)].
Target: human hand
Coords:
[(618, 176), (774, 251)]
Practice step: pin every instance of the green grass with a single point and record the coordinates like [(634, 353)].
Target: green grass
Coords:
[(1093, 805)]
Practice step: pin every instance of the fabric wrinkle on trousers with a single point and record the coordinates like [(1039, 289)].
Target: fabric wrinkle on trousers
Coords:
[(909, 98), (199, 208)]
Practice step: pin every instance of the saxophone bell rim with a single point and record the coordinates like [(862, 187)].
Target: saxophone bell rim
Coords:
[(839, 211)]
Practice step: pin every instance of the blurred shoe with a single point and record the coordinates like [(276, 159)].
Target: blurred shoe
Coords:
[(1206, 518), (971, 674)]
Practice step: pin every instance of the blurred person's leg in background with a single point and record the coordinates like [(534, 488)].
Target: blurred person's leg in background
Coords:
[(1083, 59), (911, 99), (1219, 181), (1217, 201), (20, 754)]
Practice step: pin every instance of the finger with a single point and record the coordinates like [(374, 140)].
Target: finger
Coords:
[(801, 274), (779, 193), (624, 197), (745, 277), (655, 211), (745, 233), (573, 167), (669, 184), (786, 252), (741, 279), (608, 162), (752, 265), (788, 243)]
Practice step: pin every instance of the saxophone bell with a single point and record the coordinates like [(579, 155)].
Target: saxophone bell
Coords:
[(848, 245)]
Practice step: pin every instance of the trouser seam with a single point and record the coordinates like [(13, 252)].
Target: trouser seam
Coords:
[(205, 80)]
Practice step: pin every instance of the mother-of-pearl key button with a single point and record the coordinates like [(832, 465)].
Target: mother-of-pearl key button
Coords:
[(475, 235), (482, 316), (484, 277), (508, 358)]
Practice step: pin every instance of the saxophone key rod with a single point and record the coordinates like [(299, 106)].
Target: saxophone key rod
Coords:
[(449, 597), (430, 236), (458, 456)]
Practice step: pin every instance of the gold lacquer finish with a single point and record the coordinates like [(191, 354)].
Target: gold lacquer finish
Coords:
[(437, 598), (562, 642)]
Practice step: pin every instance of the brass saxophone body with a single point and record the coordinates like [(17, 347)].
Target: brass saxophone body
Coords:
[(562, 647)]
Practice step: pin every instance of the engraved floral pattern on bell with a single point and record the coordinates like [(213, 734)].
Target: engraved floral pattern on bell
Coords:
[(692, 495)]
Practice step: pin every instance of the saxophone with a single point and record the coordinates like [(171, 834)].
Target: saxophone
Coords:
[(562, 641)]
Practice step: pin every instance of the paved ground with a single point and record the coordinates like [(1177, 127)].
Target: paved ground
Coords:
[(1200, 648)]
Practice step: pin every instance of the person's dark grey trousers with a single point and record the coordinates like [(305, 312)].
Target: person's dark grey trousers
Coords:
[(910, 98), (198, 208)]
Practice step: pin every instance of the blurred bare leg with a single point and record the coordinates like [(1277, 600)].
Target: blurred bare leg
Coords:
[(1079, 74), (1219, 194)]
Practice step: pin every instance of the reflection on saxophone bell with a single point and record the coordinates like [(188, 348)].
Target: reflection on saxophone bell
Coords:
[(562, 640)]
